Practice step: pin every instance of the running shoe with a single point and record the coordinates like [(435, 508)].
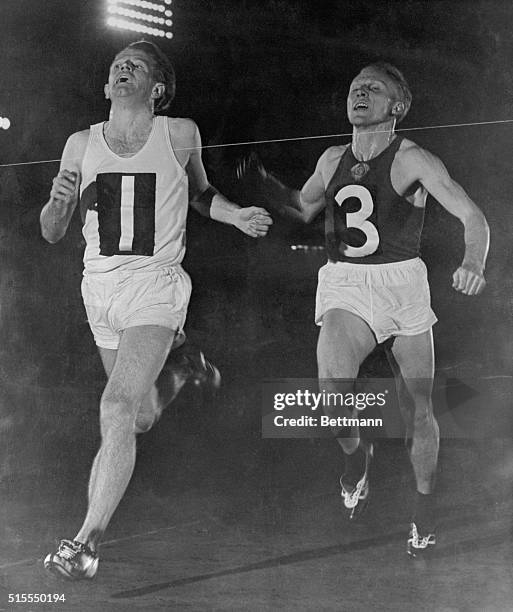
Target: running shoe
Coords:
[(420, 545), (73, 561), (356, 499)]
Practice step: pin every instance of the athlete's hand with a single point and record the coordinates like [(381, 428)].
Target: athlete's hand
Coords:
[(265, 187), (64, 187), (251, 167), (468, 280), (253, 221)]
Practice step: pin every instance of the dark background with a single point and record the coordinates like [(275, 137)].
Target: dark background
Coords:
[(246, 71)]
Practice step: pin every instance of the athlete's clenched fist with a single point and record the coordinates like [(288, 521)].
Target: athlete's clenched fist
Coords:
[(64, 186), (469, 281), (253, 221)]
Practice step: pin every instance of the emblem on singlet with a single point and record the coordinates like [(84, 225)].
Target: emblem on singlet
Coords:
[(359, 170)]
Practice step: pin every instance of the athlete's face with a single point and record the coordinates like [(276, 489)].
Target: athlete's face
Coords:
[(132, 74), (372, 98)]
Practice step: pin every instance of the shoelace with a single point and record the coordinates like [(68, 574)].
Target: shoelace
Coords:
[(352, 498), (68, 550), (420, 541)]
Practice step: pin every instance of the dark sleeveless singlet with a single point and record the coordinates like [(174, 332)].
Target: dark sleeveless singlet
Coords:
[(367, 221)]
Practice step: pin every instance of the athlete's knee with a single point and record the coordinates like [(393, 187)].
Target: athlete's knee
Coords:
[(117, 412), (329, 369), (149, 412), (334, 410), (336, 361), (334, 392), (423, 417), (420, 393), (144, 422)]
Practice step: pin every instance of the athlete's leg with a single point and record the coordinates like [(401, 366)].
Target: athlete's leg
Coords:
[(345, 340), (170, 381), (151, 407), (141, 354), (414, 355), (404, 398), (415, 358), (148, 413)]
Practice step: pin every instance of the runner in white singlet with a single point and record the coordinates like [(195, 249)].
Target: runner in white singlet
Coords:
[(134, 176)]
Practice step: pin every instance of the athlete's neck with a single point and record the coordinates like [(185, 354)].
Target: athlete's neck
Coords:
[(126, 122), (369, 141)]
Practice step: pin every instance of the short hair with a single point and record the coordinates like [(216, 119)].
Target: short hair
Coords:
[(163, 71), (398, 78)]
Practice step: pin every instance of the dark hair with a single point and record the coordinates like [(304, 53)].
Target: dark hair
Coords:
[(398, 78), (163, 71)]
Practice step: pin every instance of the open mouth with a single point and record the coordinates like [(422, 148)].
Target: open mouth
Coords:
[(361, 106), (122, 79)]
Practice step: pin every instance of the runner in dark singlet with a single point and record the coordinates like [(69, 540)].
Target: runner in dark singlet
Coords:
[(367, 221), (374, 286)]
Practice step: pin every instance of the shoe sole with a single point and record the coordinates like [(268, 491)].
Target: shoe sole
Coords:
[(57, 570), (421, 554)]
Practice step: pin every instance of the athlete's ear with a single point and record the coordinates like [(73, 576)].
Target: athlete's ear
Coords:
[(158, 91), (398, 108), (106, 90)]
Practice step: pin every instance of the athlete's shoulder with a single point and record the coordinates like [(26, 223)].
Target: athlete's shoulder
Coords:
[(332, 156), (410, 151), (416, 162), (182, 126), (79, 138), (184, 132), (75, 148), (335, 152)]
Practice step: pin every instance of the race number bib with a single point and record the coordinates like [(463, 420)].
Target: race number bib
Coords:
[(359, 219), (125, 204)]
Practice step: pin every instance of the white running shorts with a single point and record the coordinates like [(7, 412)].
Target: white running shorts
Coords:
[(393, 298), (117, 300)]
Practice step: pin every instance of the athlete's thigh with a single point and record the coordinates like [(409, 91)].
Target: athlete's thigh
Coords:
[(140, 356), (415, 357), (345, 340), (108, 357)]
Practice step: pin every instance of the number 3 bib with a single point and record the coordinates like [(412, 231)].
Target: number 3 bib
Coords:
[(367, 221)]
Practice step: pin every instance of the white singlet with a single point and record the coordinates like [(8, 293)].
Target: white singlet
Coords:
[(136, 206)]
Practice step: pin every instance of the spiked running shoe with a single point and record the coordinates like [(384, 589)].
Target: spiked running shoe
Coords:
[(204, 374), (420, 545), (356, 500), (73, 561)]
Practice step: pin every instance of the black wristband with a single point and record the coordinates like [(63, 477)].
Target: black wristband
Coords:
[(207, 196)]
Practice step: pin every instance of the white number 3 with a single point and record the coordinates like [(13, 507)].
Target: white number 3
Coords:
[(359, 218)]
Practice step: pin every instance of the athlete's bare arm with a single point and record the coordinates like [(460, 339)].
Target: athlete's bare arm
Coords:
[(312, 197), (301, 205), (57, 212), (204, 198), (420, 165)]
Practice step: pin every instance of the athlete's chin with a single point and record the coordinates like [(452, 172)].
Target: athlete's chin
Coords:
[(360, 115), (365, 122), (359, 121), (122, 93)]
